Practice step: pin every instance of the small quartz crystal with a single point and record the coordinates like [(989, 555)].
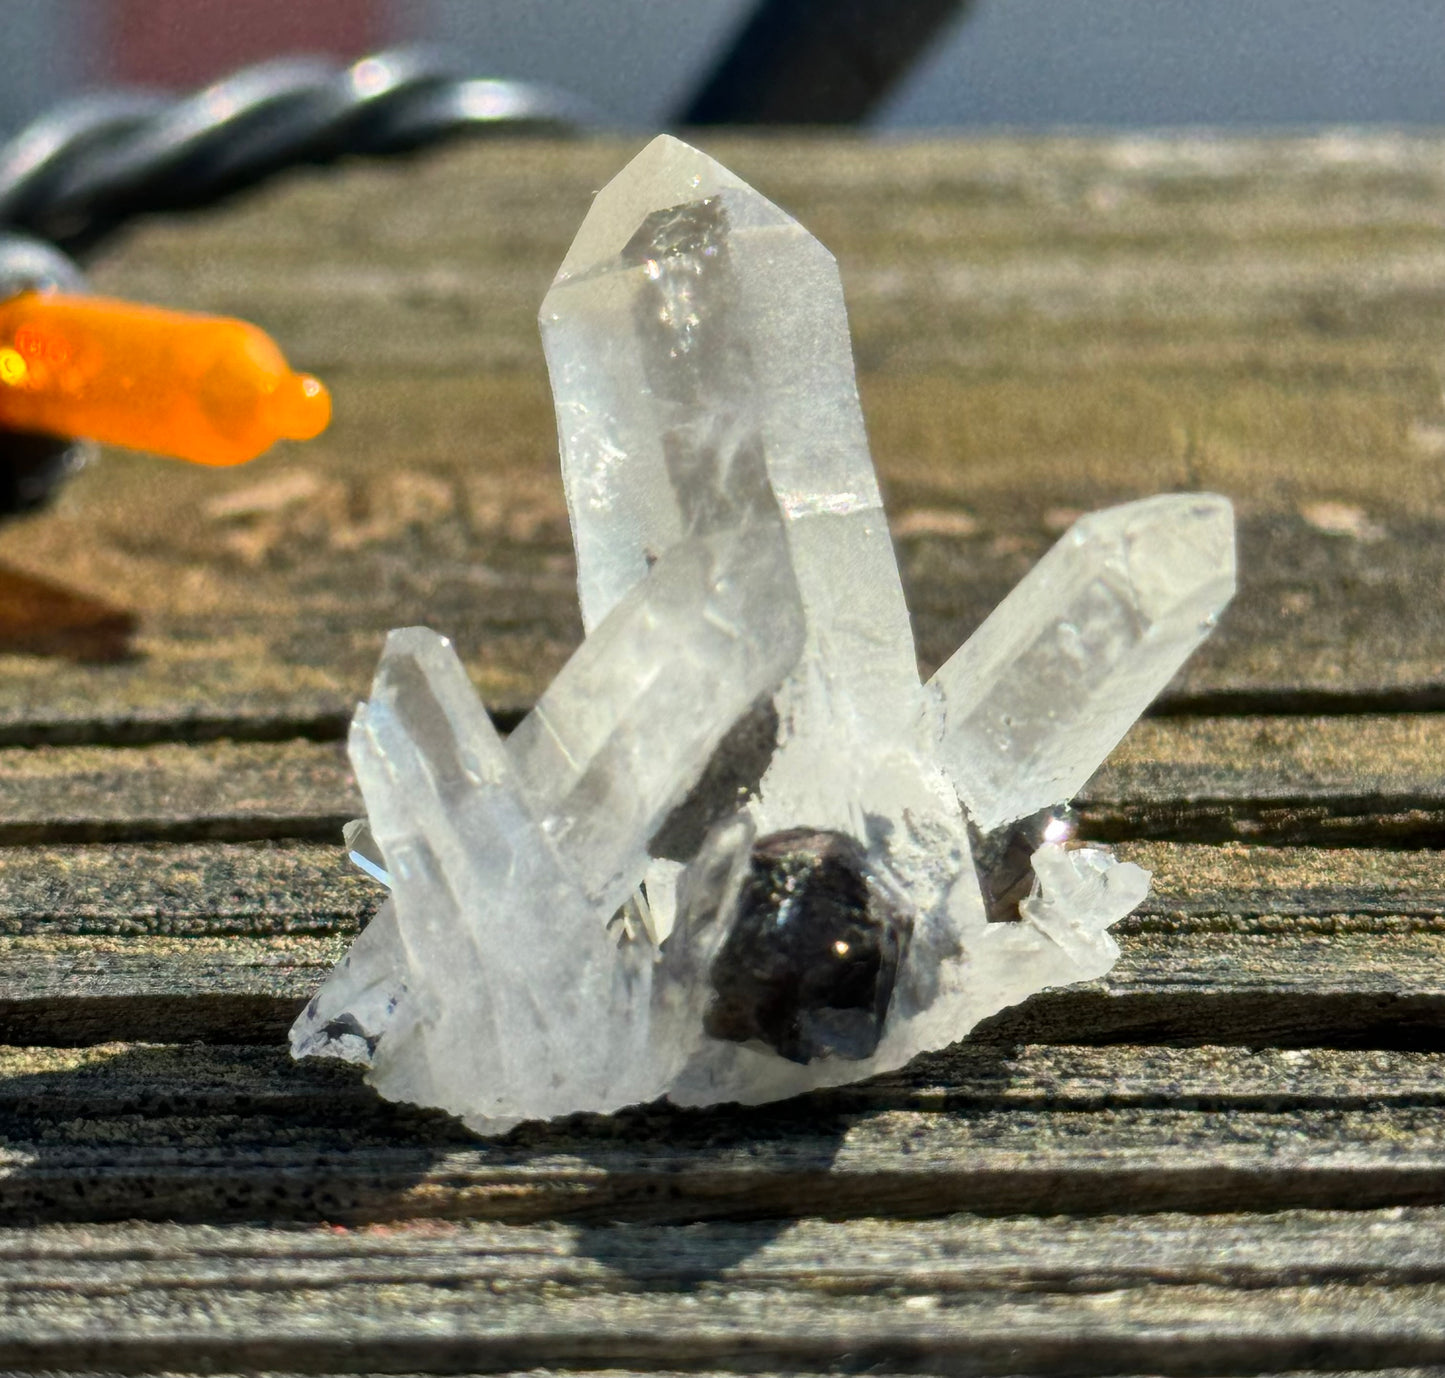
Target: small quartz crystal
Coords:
[(738, 850)]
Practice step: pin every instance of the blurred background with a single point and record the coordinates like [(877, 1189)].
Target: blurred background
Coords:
[(903, 64)]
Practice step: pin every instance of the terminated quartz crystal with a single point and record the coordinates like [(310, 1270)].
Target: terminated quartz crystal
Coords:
[(730, 855)]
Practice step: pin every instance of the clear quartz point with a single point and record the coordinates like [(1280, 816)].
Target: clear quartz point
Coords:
[(1029, 706), (561, 901), (693, 321)]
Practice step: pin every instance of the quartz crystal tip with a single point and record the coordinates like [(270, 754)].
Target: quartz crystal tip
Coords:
[(1027, 709)]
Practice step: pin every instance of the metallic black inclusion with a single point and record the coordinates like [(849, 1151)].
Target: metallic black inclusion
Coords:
[(809, 964)]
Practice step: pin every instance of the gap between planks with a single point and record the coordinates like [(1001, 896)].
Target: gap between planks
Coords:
[(1324, 624), (225, 942), (1370, 780), (233, 1135)]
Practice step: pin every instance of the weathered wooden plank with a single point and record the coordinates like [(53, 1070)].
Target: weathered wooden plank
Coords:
[(1245, 889), (219, 790), (953, 1255), (1341, 989), (203, 889), (1324, 622), (178, 1133), (1173, 1331), (1041, 328), (80, 990), (225, 942), (103, 1081), (955, 234), (192, 1297), (209, 889), (1374, 780)]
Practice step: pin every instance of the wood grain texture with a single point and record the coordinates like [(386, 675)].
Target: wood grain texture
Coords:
[(1362, 779), (1228, 1157), (964, 1295), (226, 942), (119, 1132), (1041, 328)]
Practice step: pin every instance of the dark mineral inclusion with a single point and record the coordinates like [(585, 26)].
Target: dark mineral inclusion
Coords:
[(809, 964)]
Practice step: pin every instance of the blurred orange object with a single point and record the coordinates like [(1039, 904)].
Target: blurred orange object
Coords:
[(204, 388)]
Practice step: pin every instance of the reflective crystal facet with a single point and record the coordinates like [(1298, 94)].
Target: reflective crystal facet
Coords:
[(1046, 688), (727, 855)]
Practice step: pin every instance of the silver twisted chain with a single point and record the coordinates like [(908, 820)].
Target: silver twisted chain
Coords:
[(81, 172)]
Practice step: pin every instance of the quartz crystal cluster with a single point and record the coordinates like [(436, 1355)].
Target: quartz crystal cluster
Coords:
[(738, 850)]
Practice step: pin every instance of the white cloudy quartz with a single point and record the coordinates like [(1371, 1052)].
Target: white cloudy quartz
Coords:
[(729, 856)]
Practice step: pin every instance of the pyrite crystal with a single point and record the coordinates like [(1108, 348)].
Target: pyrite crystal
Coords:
[(728, 854)]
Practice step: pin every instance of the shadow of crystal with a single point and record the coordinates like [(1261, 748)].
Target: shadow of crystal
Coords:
[(209, 1134)]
